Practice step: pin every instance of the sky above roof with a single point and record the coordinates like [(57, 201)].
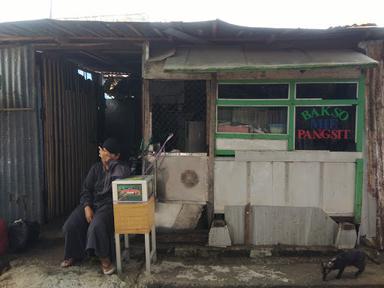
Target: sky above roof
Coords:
[(271, 13)]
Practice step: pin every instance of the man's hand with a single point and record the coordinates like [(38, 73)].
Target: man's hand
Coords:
[(88, 213), (106, 157)]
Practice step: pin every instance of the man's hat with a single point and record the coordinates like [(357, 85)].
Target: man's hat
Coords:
[(112, 145)]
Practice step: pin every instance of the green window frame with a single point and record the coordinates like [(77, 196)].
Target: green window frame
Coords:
[(292, 102)]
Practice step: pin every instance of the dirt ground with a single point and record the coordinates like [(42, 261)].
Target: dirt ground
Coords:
[(39, 267)]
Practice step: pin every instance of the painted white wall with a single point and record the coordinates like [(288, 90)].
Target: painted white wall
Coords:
[(250, 144), (326, 185), (230, 183)]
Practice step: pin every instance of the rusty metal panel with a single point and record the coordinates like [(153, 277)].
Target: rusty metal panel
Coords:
[(20, 155), (375, 134), (70, 133)]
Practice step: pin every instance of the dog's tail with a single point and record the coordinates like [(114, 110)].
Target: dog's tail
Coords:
[(372, 259)]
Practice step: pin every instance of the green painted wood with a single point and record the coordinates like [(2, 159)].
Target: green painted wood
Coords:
[(360, 115), (341, 102), (219, 152), (291, 117), (252, 102), (326, 80), (285, 102), (291, 103), (289, 81), (255, 81), (358, 190), (251, 136)]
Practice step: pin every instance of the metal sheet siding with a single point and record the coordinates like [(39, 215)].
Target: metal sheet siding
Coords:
[(324, 179), (20, 157), (272, 225), (300, 226), (70, 133), (234, 216), (215, 59)]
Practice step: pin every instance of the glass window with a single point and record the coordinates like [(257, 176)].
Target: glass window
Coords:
[(325, 128), (252, 120), (326, 91), (253, 91)]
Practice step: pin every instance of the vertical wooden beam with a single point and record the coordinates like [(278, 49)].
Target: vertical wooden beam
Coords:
[(291, 116), (145, 107), (247, 224), (248, 209), (146, 112), (360, 115), (375, 130), (211, 128)]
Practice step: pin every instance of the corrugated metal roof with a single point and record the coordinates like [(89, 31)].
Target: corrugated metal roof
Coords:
[(20, 157), (46, 30), (213, 59), (117, 46)]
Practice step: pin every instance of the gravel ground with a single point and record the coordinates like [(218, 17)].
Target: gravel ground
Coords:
[(40, 267)]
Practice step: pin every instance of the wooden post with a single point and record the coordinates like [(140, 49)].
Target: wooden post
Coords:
[(248, 209), (118, 252), (147, 253), (146, 108), (374, 134), (247, 224), (146, 112), (211, 128)]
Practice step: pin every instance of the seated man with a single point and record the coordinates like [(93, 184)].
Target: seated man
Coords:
[(90, 226)]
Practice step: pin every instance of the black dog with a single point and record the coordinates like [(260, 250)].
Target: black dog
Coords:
[(350, 258)]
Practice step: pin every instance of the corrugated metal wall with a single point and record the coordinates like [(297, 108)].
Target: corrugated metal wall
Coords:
[(20, 153), (70, 132), (375, 133)]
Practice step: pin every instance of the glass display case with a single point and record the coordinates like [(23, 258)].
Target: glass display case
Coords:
[(260, 120)]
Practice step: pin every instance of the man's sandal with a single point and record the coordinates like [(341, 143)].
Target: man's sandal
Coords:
[(67, 263), (108, 269)]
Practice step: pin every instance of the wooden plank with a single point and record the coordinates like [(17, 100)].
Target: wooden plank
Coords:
[(146, 112), (375, 134), (346, 73), (247, 224), (211, 129), (130, 218), (298, 156), (16, 109), (155, 70)]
